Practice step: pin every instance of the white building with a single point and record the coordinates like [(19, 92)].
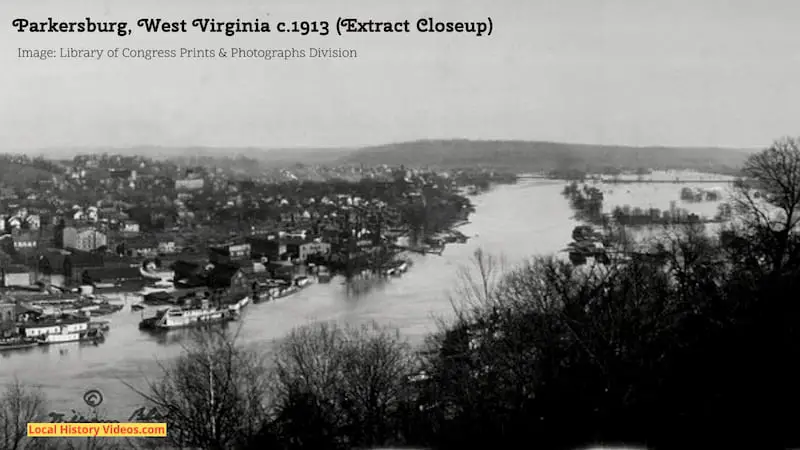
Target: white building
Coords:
[(190, 184), (86, 239)]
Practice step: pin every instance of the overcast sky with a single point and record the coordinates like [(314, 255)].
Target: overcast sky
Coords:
[(639, 72)]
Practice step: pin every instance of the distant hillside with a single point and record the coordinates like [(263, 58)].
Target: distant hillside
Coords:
[(532, 156), (517, 156), (266, 157), (22, 174)]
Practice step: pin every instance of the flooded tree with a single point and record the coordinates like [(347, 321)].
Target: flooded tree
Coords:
[(586, 201)]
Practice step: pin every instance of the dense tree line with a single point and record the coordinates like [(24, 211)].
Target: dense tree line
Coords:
[(697, 348)]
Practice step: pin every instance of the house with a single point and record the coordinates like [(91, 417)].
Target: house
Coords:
[(7, 193), (295, 235), (8, 319), (314, 249), (142, 247), (189, 184), (8, 312), (302, 249), (117, 274), (34, 221), (188, 273), (271, 249), (332, 234), (166, 247), (85, 239), (122, 174), (226, 276), (52, 270), (261, 230), (230, 252), (219, 255), (16, 275), (65, 267), (281, 270), (239, 251), (25, 241), (130, 226)]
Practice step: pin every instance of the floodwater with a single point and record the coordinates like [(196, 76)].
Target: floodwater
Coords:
[(518, 221)]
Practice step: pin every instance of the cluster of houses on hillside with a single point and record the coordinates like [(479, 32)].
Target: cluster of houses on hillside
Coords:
[(71, 265), (109, 212)]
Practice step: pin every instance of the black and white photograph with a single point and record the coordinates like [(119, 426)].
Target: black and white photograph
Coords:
[(423, 225)]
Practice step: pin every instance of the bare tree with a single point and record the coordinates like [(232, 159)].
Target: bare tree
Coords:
[(310, 356), (340, 386), (377, 364), (768, 198), (477, 281), (19, 405), (213, 396)]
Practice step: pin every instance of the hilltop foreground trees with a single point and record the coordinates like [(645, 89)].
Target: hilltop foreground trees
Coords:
[(341, 387), (698, 347)]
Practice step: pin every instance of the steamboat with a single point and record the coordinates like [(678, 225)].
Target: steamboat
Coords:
[(58, 330), (187, 316), (64, 336)]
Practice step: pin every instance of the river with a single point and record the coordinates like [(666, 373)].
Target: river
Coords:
[(516, 221)]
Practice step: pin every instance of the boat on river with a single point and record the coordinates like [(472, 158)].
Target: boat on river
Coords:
[(238, 306), (59, 330), (33, 328), (88, 335), (187, 316), (276, 291)]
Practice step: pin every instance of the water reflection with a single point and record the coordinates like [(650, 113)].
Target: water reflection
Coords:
[(7, 354), (61, 349), (181, 336), (359, 287)]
